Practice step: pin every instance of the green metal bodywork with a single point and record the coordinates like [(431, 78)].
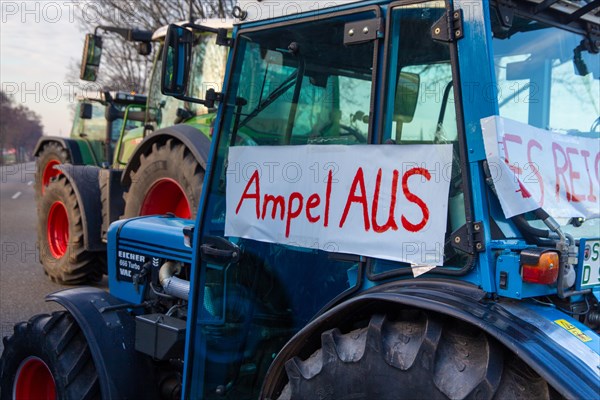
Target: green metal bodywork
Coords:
[(90, 134)]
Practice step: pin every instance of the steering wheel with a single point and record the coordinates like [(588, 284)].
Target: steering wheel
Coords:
[(595, 125), (348, 130), (242, 139)]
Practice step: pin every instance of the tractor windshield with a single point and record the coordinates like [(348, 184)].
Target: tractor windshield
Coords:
[(94, 128), (547, 78), (206, 72), (207, 69), (302, 88)]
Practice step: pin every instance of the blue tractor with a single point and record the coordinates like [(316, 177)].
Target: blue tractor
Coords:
[(401, 202)]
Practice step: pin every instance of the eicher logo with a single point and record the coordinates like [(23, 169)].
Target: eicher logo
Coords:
[(384, 201)]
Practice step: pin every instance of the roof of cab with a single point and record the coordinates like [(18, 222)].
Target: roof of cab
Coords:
[(215, 23), (257, 10)]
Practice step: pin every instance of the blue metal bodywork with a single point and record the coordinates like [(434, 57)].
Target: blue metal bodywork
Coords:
[(139, 241)]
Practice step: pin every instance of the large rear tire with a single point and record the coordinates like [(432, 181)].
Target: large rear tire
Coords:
[(168, 180), (60, 237), (48, 358), (51, 155), (415, 356)]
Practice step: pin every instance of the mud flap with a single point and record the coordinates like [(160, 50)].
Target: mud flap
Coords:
[(123, 372)]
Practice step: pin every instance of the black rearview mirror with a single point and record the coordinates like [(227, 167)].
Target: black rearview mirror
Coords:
[(407, 94), (92, 52), (176, 61), (85, 111)]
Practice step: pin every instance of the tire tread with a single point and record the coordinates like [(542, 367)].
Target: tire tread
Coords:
[(414, 355), (170, 159), (43, 336), (78, 265)]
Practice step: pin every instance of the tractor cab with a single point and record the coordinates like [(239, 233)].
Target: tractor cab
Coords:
[(98, 123)]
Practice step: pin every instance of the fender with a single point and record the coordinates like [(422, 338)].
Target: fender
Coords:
[(85, 182), (564, 361), (192, 138), (123, 373), (71, 145)]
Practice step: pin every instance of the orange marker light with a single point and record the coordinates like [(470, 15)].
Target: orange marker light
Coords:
[(544, 270)]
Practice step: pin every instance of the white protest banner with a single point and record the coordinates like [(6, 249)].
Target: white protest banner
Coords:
[(533, 168), (385, 201)]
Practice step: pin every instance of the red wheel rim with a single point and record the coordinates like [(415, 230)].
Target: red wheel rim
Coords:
[(165, 196), (49, 173), (34, 381), (58, 229)]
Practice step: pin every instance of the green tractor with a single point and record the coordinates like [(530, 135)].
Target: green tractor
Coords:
[(155, 165), (96, 130)]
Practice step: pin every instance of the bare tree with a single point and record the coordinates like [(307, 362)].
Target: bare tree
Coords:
[(122, 67), (20, 128)]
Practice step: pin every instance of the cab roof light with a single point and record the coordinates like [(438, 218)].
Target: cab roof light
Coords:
[(539, 265)]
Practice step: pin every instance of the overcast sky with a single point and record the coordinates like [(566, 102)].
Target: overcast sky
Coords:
[(38, 42)]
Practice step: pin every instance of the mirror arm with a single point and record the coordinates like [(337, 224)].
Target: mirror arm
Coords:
[(108, 97), (200, 28), (222, 36), (209, 101)]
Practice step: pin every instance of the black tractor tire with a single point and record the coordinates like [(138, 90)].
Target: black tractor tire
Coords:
[(51, 153), (416, 356), (57, 342), (168, 161), (64, 258)]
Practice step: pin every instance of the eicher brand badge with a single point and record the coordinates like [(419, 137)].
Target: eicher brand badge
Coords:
[(383, 201)]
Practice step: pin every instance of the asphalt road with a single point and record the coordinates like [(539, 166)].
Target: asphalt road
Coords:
[(23, 284)]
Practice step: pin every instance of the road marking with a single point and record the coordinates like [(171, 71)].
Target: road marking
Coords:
[(29, 183), (16, 195)]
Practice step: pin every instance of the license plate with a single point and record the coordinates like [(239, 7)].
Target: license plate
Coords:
[(588, 270)]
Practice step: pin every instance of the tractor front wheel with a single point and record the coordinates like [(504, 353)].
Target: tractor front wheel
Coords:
[(168, 180), (48, 358), (60, 237), (417, 355)]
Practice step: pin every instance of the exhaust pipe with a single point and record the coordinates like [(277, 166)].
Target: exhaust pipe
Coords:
[(171, 284)]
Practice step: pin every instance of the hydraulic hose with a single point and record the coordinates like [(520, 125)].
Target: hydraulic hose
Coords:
[(172, 285), (524, 226)]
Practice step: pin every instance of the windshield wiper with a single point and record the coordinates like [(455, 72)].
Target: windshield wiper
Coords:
[(274, 95)]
